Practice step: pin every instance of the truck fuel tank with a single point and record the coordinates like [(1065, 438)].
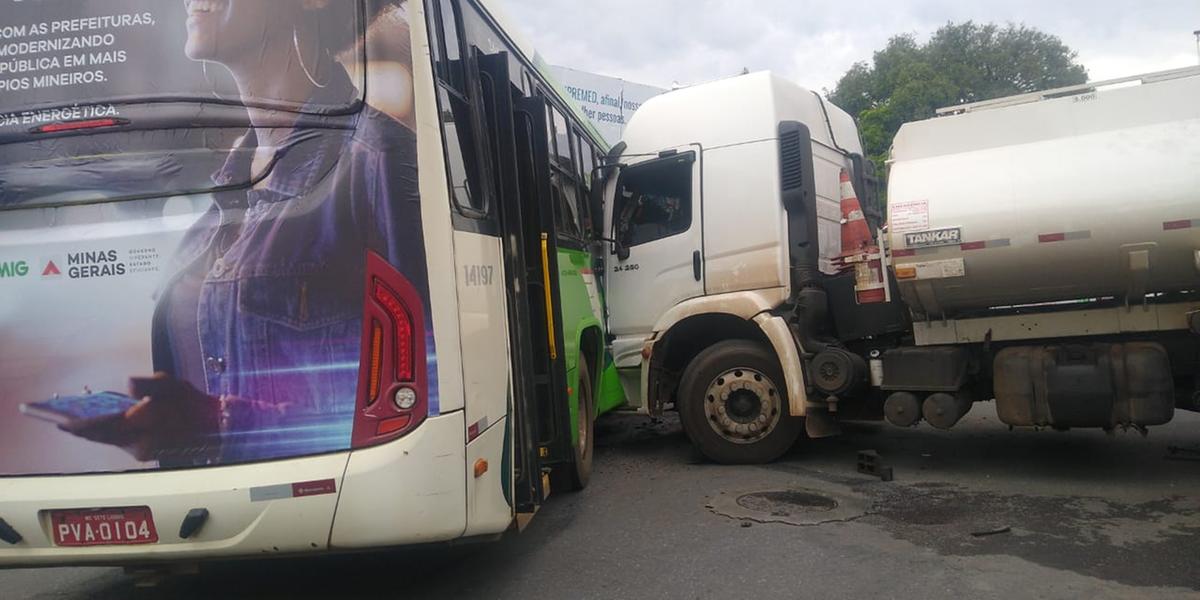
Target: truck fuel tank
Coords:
[(1096, 385)]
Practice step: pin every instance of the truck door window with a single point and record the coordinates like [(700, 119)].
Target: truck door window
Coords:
[(654, 201)]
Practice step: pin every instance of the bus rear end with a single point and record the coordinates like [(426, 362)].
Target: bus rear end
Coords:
[(217, 332)]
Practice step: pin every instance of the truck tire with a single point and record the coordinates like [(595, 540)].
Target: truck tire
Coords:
[(734, 405), (575, 476)]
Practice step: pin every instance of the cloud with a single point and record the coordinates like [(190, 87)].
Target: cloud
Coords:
[(661, 42)]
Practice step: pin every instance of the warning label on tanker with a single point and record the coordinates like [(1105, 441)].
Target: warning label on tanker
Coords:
[(909, 216)]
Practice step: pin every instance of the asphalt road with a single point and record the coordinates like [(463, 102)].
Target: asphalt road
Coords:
[(980, 512)]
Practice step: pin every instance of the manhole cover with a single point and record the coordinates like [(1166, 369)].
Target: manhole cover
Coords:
[(786, 503)]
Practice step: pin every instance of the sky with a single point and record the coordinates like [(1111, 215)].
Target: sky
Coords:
[(667, 42)]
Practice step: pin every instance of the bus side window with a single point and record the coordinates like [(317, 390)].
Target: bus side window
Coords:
[(587, 163), (450, 68), (583, 154), (464, 147), (566, 196), (564, 179), (562, 141)]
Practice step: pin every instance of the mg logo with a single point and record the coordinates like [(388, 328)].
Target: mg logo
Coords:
[(13, 269), (51, 269)]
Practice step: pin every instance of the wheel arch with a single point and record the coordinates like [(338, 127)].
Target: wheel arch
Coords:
[(678, 346), (591, 350), (685, 331)]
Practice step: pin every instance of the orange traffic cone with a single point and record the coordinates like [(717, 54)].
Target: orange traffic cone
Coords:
[(856, 233), (859, 249)]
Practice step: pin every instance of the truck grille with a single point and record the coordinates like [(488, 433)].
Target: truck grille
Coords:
[(791, 160)]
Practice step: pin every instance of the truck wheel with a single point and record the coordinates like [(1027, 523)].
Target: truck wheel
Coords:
[(575, 477), (733, 404)]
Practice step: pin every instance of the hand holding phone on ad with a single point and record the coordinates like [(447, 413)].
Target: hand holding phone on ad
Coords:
[(167, 416), (63, 410)]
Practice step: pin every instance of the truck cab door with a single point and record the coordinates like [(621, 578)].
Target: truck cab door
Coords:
[(656, 255)]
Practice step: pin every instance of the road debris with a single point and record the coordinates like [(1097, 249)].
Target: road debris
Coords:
[(1180, 453), (870, 463), (991, 532)]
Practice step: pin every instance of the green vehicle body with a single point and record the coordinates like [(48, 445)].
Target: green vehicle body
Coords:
[(581, 326), (579, 313)]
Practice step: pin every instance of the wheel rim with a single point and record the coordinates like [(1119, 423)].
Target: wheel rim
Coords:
[(743, 406)]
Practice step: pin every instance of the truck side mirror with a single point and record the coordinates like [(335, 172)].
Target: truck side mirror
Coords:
[(619, 250), (601, 176), (596, 195), (622, 251), (866, 185)]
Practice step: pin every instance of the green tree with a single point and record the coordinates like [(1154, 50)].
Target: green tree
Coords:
[(961, 63)]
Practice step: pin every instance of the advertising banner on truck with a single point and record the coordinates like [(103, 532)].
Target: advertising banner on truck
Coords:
[(193, 195), (608, 102)]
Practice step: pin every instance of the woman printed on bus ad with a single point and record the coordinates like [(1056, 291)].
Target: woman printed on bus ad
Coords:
[(257, 331)]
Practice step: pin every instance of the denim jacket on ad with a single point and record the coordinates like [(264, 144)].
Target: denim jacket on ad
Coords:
[(275, 276)]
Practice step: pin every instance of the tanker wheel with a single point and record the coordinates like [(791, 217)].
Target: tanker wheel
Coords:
[(734, 407)]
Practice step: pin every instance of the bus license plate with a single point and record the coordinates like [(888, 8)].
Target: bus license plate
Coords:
[(103, 527)]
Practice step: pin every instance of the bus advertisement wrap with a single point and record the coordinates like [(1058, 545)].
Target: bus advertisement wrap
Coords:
[(193, 293)]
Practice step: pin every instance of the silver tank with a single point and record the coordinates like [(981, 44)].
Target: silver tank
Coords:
[(1033, 200)]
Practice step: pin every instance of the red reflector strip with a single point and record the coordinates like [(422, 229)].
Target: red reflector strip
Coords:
[(903, 253), (877, 296), (293, 490), (314, 488), (1074, 236), (1178, 225), (393, 425), (987, 244), (78, 125), (477, 428)]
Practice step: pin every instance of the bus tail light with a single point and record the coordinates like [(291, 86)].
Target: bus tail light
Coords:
[(393, 397)]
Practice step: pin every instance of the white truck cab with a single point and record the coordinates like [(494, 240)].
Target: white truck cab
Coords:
[(700, 263)]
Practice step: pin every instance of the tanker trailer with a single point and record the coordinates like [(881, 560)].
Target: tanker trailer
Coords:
[(1047, 249)]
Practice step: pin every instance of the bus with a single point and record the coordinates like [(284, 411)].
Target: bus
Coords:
[(288, 277)]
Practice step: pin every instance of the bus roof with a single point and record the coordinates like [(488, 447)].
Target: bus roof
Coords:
[(494, 10)]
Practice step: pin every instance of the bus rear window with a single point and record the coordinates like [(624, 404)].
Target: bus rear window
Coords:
[(119, 166), (80, 58)]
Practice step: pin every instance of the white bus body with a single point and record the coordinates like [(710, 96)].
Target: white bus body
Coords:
[(474, 461)]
